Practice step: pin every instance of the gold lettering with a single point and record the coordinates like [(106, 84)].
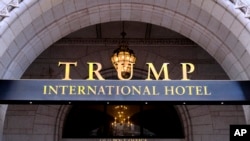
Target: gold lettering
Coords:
[(185, 71), (146, 91), (52, 89), (72, 90), (125, 90), (81, 90), (101, 90), (167, 90), (44, 89), (92, 90), (199, 90), (206, 91), (95, 68), (63, 89), (96, 72), (179, 90), (136, 90), (190, 89), (67, 68), (117, 90), (110, 89), (120, 69), (164, 69), (154, 91)]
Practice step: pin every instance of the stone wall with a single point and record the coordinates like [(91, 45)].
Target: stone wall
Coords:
[(45, 122), (213, 24)]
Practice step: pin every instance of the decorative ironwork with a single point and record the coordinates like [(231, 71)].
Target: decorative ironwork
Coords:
[(122, 125), (123, 58), (132, 42)]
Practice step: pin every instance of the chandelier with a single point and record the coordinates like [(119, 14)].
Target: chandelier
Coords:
[(123, 58), (121, 124)]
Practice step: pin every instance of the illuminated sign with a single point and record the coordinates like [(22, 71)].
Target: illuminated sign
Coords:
[(116, 90), (125, 90), (95, 68)]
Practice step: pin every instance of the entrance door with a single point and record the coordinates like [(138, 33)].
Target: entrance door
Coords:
[(123, 120)]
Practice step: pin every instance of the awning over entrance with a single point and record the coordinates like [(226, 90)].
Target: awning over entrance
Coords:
[(185, 92)]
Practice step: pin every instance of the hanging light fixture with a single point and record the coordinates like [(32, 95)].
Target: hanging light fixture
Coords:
[(122, 125), (124, 56), (121, 116)]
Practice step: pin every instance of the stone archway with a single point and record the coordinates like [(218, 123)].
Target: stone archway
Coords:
[(25, 37), (45, 122), (218, 37)]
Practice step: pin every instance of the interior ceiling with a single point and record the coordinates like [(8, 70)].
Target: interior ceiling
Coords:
[(133, 30)]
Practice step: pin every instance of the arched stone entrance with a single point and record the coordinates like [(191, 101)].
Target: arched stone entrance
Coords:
[(45, 122), (49, 22), (39, 25)]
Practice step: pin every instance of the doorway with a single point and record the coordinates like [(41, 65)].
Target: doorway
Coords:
[(123, 120)]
